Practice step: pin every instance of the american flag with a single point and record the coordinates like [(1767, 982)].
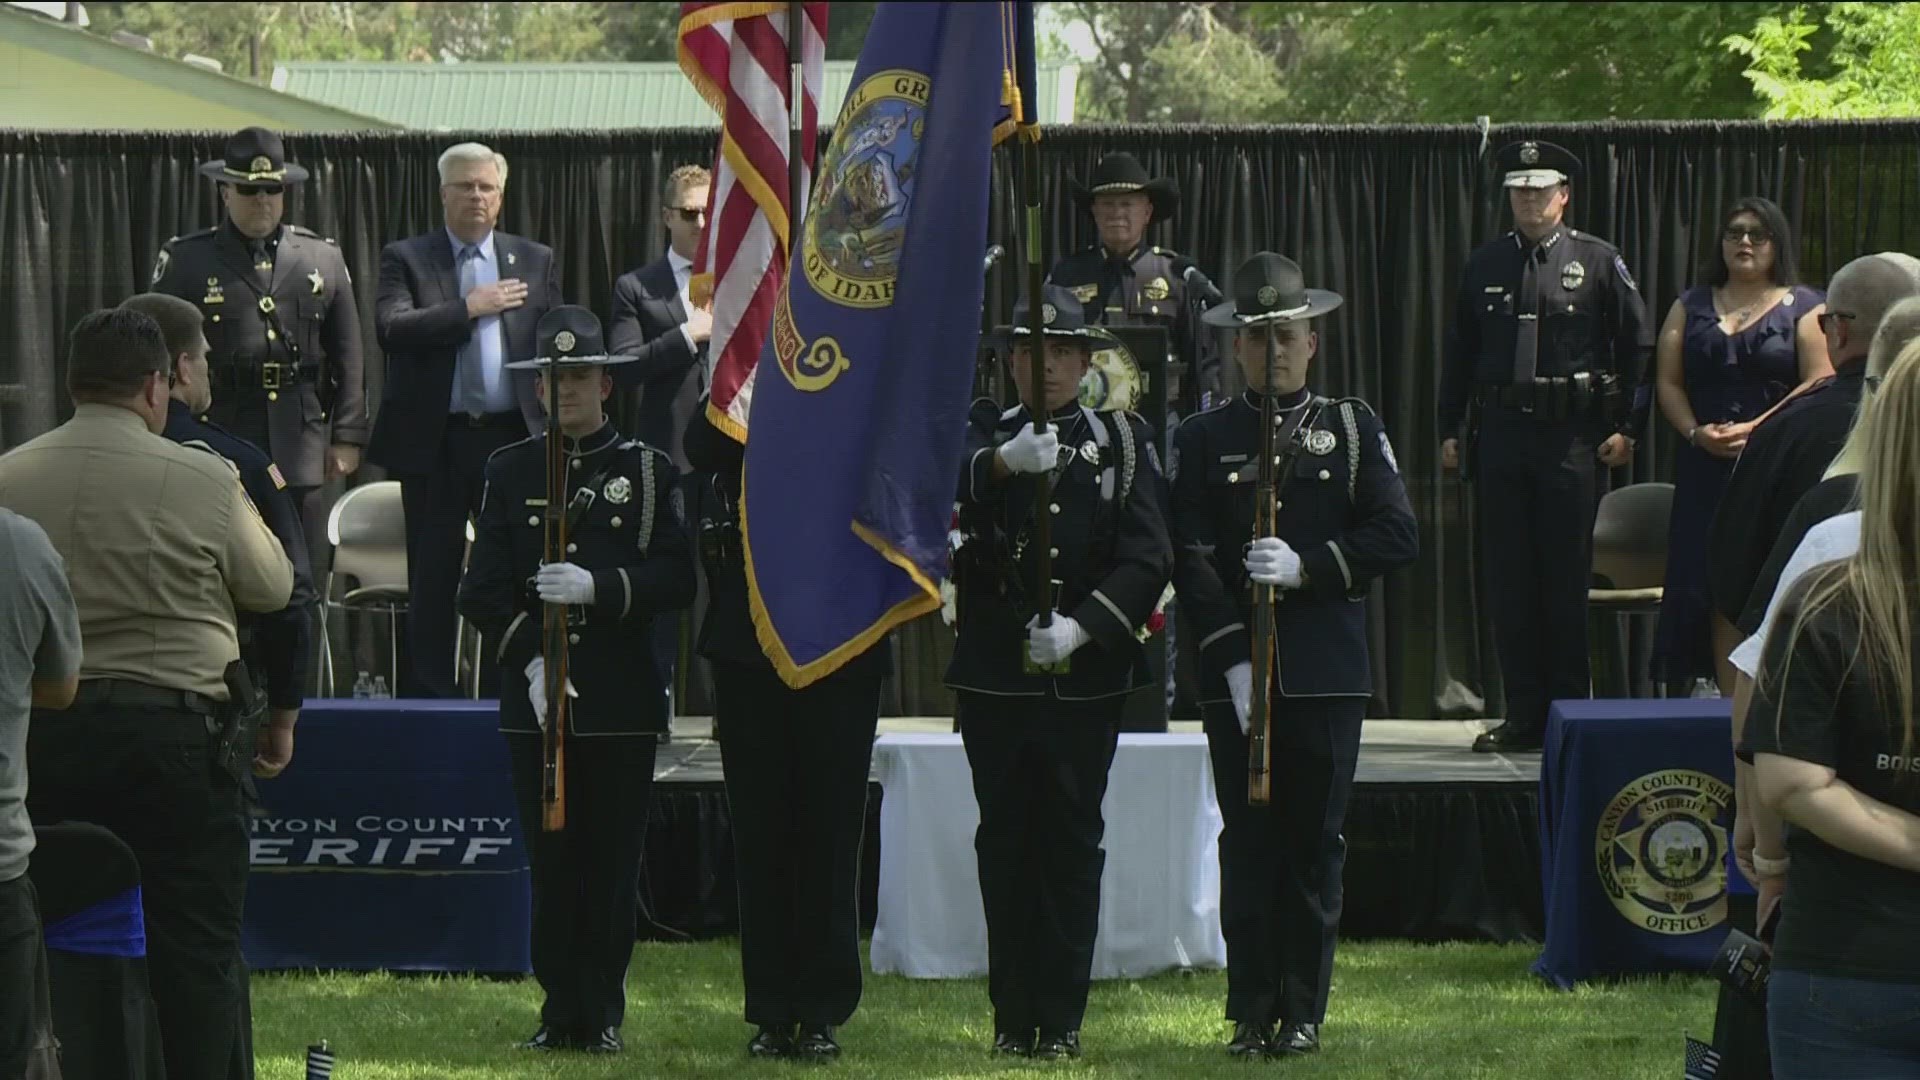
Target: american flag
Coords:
[(736, 54), (1703, 1061)]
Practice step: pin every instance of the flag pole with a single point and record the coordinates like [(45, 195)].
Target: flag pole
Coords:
[(796, 100)]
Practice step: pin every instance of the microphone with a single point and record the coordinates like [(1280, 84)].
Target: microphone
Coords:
[(1199, 283), (994, 254)]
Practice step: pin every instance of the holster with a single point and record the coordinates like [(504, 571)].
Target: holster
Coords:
[(1468, 440), (238, 720)]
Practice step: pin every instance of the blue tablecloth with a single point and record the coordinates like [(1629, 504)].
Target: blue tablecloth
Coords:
[(390, 844), (1636, 831)]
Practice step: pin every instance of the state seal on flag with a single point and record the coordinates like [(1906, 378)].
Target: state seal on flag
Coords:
[(1661, 851), (857, 220)]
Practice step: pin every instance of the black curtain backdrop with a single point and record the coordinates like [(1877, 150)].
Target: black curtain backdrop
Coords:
[(1383, 215)]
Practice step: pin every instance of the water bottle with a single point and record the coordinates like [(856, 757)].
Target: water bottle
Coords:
[(363, 686), (380, 687), (1704, 688)]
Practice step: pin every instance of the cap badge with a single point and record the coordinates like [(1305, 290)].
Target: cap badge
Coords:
[(563, 341)]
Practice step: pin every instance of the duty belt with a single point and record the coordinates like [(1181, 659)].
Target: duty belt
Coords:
[(1579, 395), (276, 375), (127, 694)]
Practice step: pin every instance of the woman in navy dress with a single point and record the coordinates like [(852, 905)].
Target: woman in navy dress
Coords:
[(1730, 352)]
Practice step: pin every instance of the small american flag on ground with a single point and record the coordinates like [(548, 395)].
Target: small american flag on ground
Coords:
[(319, 1062), (1703, 1061)]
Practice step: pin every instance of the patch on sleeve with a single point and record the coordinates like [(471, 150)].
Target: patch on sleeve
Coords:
[(160, 266), (1173, 463), (279, 482), (1153, 457), (1386, 451), (1620, 268), (679, 503)]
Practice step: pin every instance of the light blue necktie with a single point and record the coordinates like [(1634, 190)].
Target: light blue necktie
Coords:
[(473, 380)]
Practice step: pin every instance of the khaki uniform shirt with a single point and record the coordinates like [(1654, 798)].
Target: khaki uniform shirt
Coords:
[(161, 546)]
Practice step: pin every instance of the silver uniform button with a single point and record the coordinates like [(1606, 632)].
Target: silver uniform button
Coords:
[(533, 519), (573, 639), (571, 548), (1325, 475), (1055, 508), (616, 523), (1053, 553)]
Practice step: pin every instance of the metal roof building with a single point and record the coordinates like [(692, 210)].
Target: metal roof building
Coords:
[(547, 97)]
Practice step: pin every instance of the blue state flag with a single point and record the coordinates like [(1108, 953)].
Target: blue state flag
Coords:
[(860, 398)]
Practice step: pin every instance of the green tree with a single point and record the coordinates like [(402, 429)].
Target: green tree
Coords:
[(650, 31), (1869, 65), (1181, 62)]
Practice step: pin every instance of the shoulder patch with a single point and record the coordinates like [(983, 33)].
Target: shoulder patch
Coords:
[(1620, 268), (1386, 451), (160, 265), (279, 482)]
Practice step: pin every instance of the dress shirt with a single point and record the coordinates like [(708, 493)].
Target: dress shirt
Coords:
[(487, 348)]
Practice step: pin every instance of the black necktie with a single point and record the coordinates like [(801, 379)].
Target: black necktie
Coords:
[(262, 261), (1526, 342)]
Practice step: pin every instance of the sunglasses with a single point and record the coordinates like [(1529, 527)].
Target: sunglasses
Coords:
[(689, 214), (1733, 234), (1827, 318), (257, 189)]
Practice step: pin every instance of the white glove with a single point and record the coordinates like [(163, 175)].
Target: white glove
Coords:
[(537, 689), (1272, 561), (1240, 685), (1050, 644), (1028, 452), (564, 583)]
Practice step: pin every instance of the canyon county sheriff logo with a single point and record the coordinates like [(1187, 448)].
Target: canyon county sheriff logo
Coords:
[(1661, 851)]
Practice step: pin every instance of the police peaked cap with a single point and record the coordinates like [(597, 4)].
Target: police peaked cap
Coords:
[(1534, 164)]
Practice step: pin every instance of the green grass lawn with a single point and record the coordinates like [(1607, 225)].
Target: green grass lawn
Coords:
[(1399, 1010)]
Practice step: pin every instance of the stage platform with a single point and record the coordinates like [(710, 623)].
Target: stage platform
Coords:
[(1443, 843)]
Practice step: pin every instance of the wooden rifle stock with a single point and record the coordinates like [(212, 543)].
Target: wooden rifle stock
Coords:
[(553, 625), (1275, 467)]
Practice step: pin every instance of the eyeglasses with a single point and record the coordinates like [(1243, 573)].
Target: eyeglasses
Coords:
[(689, 214), (257, 189), (1827, 318), (1733, 234)]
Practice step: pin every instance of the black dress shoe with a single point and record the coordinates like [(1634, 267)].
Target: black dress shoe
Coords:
[(816, 1043), (1053, 1045), (771, 1042), (1013, 1044), (1295, 1038), (548, 1039), (606, 1042), (1250, 1039), (1509, 738)]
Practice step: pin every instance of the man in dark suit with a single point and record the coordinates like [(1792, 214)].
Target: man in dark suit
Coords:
[(655, 320), (454, 307)]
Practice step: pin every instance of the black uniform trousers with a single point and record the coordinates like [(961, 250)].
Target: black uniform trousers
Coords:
[(797, 764), (1281, 864), (1536, 505), (586, 876), (438, 506), (154, 779), (26, 1017), (1039, 776)]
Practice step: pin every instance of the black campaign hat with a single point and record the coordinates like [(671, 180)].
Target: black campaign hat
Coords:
[(1534, 164), (1061, 316), (254, 156), (1118, 174), (570, 338), (1269, 288)]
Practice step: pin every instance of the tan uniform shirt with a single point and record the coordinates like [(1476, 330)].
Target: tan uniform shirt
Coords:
[(161, 546)]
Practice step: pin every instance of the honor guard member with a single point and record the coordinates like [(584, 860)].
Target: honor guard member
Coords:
[(1341, 519), (1549, 340), (628, 561), (283, 334), (1039, 706), (1121, 280)]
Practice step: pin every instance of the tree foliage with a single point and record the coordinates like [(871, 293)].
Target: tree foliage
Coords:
[(1848, 61)]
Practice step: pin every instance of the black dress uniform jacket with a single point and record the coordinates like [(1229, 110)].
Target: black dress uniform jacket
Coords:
[(295, 373), (1345, 511), (630, 535), (274, 645), (1591, 319), (1111, 554), (1142, 289)]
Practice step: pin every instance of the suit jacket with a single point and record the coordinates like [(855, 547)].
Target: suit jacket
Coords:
[(665, 383), (422, 322)]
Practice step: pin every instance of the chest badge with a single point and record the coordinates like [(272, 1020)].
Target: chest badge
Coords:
[(1090, 452), (1156, 289), (215, 295), (1572, 274), (509, 258), (319, 283), (619, 490), (1320, 442)]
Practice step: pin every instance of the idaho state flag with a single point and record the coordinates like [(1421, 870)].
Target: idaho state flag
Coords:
[(859, 409)]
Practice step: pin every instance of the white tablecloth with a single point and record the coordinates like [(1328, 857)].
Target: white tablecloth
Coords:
[(1159, 895)]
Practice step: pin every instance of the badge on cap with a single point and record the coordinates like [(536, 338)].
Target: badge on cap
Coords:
[(1529, 153), (1047, 314), (1268, 296), (1572, 274), (619, 489), (563, 341), (260, 163), (1320, 442)]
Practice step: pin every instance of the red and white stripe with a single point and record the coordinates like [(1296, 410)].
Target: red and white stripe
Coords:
[(736, 54)]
